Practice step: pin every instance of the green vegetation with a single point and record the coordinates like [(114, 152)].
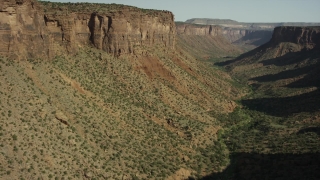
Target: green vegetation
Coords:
[(274, 133), (97, 113), (86, 7)]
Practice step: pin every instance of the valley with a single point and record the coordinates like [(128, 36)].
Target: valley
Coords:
[(109, 91)]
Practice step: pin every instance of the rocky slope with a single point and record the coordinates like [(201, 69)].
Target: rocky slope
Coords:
[(276, 132), (98, 91), (285, 42), (287, 66)]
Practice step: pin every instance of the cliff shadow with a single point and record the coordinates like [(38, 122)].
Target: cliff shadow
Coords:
[(287, 59), (285, 106), (256, 38), (287, 74), (244, 55), (292, 58), (311, 79), (225, 63), (247, 166), (310, 129)]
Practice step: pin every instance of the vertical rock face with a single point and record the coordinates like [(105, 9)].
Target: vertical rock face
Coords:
[(234, 34), (241, 37), (26, 31), (204, 41), (201, 30), (22, 30), (245, 36), (308, 37), (67, 32), (121, 31)]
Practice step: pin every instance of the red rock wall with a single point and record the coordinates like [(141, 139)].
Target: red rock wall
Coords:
[(22, 30), (201, 30), (308, 37), (26, 31), (120, 32), (233, 35)]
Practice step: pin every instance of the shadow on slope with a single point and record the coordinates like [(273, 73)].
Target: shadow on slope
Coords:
[(255, 52), (264, 54), (311, 79), (249, 166), (312, 68), (310, 129), (292, 58), (286, 106)]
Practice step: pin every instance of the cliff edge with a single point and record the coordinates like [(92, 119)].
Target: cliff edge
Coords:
[(31, 29), (307, 37)]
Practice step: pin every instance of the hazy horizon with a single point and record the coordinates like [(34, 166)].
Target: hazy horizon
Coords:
[(271, 11)]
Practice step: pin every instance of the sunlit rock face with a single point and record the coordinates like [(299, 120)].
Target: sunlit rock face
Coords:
[(27, 31)]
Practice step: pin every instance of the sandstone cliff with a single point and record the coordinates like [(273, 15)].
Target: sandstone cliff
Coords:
[(204, 41), (190, 29), (28, 31), (246, 35), (306, 37), (22, 30), (116, 31), (285, 41)]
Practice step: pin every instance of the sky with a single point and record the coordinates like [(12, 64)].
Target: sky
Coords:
[(239, 10)]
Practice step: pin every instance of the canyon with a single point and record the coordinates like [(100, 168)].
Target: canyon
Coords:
[(104, 91), (283, 108), (247, 35), (205, 41), (110, 91)]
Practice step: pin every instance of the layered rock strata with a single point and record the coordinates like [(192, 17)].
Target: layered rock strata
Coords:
[(241, 37), (23, 33), (189, 29), (308, 37), (27, 31)]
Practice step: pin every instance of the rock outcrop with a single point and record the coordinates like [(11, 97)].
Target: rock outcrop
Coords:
[(288, 46), (190, 29), (31, 30), (22, 30), (116, 32), (307, 37), (285, 71), (204, 41), (248, 35), (241, 36)]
